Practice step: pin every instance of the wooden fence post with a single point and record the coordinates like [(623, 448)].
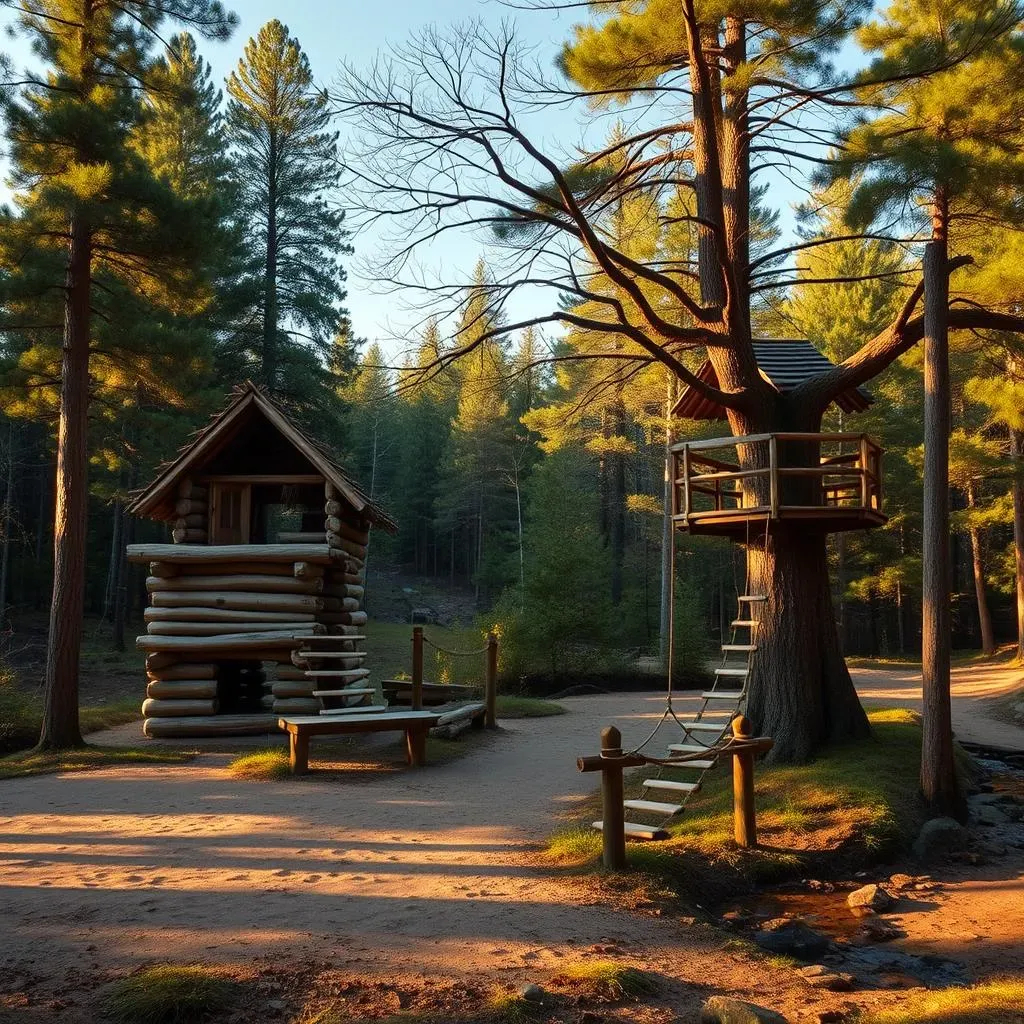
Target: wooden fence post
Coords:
[(491, 683), (613, 831), (744, 820), (417, 668)]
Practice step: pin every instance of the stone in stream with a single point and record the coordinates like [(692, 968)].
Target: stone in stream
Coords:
[(869, 897), (820, 976), (787, 936), (875, 930), (939, 837), (723, 1010)]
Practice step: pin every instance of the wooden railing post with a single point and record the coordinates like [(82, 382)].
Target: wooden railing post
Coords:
[(613, 814), (686, 482), (773, 476), (491, 683), (865, 471), (417, 668), (744, 819)]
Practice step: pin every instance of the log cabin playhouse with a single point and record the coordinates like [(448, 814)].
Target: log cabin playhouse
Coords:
[(256, 609)]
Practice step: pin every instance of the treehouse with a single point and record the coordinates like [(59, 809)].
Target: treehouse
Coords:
[(739, 487), (256, 608)]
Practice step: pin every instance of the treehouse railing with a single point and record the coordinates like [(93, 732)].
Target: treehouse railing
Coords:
[(773, 476)]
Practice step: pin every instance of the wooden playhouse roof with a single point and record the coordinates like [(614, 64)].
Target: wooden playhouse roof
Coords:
[(784, 363), (246, 401)]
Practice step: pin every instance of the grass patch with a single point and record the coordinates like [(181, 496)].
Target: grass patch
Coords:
[(168, 994), (510, 1007), (261, 765), (850, 803), (46, 762), (605, 979), (994, 1002), (527, 707)]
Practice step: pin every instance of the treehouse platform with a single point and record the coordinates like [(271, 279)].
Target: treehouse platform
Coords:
[(739, 487)]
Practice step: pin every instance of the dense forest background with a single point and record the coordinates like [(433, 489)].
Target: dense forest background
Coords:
[(521, 475)]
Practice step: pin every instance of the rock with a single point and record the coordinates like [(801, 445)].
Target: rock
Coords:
[(899, 881), (819, 976), (989, 814), (869, 897), (875, 930), (790, 937), (830, 1016), (277, 1004), (589, 1017), (723, 1010), (532, 993), (938, 837)]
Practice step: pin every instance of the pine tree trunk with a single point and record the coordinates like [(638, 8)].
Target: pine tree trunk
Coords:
[(60, 708), (617, 500), (7, 522), (114, 565), (667, 526), (1017, 447), (938, 769), (988, 640), (800, 693)]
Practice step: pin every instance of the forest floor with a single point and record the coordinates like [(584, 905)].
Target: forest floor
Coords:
[(379, 889)]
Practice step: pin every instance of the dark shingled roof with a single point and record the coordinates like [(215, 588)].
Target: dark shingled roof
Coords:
[(158, 499), (784, 363)]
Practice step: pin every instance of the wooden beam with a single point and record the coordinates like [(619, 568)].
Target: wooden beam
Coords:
[(173, 553), (263, 478)]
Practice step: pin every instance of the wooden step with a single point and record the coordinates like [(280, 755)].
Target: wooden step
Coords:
[(337, 673), (358, 709), (687, 748), (633, 831), (330, 638), (751, 623), (360, 691), (304, 653), (735, 672), (745, 648), (752, 599), (673, 787), (652, 806), (721, 695), (706, 726)]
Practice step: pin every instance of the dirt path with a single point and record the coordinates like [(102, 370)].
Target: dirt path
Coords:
[(379, 872), (976, 689)]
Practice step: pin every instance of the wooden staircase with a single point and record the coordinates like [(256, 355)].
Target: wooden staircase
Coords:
[(340, 682), (702, 731)]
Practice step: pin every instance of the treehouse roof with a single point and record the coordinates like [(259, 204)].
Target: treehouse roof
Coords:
[(253, 434), (785, 364)]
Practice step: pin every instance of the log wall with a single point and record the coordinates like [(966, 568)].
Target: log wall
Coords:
[(224, 628)]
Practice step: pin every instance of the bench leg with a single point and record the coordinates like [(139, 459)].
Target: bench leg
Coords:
[(299, 753), (416, 746)]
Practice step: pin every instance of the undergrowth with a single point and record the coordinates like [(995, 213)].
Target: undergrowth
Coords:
[(46, 762), (168, 994), (527, 707), (261, 765), (993, 1002)]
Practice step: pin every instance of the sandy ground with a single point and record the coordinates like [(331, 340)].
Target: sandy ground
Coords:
[(376, 871)]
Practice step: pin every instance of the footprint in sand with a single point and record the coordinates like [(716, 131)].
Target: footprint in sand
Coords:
[(238, 878), (312, 878)]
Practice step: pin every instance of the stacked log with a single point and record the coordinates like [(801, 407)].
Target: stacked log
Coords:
[(225, 622)]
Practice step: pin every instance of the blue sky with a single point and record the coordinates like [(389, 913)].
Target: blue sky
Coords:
[(331, 32)]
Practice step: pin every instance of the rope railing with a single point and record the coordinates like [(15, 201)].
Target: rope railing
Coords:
[(490, 652)]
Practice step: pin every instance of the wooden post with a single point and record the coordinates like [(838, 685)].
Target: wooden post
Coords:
[(744, 821), (299, 753), (865, 471), (686, 482), (416, 746), (491, 683), (417, 668), (613, 814), (773, 476)]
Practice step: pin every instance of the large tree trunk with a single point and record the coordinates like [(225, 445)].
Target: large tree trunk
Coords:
[(270, 313), (938, 768), (667, 526), (1017, 447), (800, 692), (988, 640), (6, 522), (60, 707)]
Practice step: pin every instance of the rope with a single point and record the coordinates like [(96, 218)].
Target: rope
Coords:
[(454, 654)]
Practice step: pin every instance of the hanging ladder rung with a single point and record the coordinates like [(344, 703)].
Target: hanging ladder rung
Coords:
[(737, 672), (743, 648), (688, 748), (752, 599), (718, 727), (751, 623), (652, 806), (673, 787), (721, 695), (633, 831)]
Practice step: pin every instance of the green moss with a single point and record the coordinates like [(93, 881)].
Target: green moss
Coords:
[(527, 707), (994, 1002), (46, 762), (168, 994), (606, 979), (263, 765)]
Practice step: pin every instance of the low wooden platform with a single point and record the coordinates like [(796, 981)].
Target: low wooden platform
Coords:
[(192, 726), (399, 691), (415, 725)]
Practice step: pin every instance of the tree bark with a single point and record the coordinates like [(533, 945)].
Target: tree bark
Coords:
[(800, 691), (667, 526), (988, 640), (60, 707), (938, 768), (1017, 448), (270, 359), (7, 522)]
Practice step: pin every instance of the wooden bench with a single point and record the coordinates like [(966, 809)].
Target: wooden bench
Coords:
[(415, 725)]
